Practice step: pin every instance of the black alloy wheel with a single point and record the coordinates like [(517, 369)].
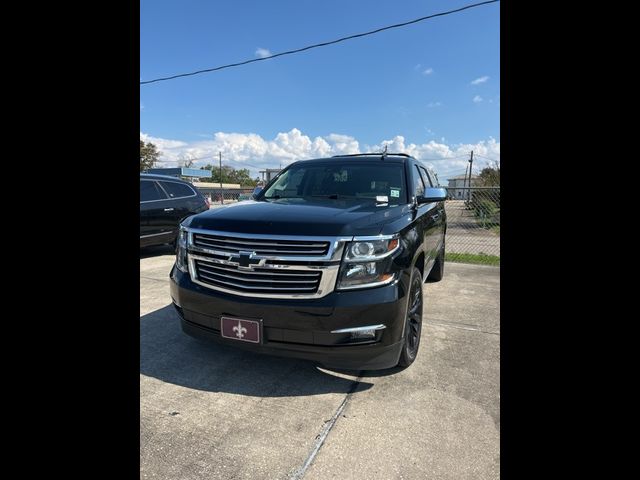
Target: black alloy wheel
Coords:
[(413, 321)]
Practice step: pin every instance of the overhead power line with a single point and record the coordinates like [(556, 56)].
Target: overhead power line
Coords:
[(444, 158), (210, 157), (317, 45), (243, 163), (488, 158)]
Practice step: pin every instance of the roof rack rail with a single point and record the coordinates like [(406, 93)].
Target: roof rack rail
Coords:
[(373, 154)]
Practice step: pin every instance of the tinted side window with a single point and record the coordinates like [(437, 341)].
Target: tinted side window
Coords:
[(417, 183), (177, 190), (434, 178), (425, 177), (149, 190)]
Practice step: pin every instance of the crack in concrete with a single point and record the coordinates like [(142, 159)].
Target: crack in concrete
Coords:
[(156, 279), (463, 326), (322, 436)]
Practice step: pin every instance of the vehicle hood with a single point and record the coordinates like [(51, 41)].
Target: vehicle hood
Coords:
[(313, 217)]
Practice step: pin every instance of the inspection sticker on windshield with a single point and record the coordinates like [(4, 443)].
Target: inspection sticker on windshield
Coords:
[(395, 192), (382, 199)]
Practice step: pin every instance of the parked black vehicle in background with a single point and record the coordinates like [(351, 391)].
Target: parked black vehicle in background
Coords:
[(327, 263), (164, 203)]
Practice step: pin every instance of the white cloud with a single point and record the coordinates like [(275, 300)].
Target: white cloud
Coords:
[(480, 80), (447, 160), (249, 150), (434, 104), (162, 143), (262, 52), (428, 71), (477, 99)]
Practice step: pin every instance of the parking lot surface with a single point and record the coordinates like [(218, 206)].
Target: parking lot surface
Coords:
[(211, 411)]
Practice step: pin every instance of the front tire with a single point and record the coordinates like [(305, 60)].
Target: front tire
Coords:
[(413, 321)]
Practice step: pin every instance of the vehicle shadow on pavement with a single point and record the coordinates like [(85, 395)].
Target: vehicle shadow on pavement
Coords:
[(169, 355)]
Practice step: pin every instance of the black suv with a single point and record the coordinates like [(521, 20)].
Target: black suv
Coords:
[(326, 263), (164, 203)]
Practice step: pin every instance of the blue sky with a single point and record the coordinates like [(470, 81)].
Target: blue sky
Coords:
[(411, 88)]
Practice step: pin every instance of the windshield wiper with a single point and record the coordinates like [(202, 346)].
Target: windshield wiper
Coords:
[(333, 196), (277, 197)]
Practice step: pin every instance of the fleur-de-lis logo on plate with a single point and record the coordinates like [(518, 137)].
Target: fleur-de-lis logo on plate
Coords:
[(240, 330)]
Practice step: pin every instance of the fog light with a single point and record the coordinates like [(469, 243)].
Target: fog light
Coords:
[(368, 331), (363, 334)]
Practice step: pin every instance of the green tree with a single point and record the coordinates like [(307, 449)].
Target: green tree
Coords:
[(490, 176), (187, 163), (229, 175), (148, 155)]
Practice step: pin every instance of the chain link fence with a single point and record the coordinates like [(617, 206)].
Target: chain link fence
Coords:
[(224, 196), (473, 225), (473, 220)]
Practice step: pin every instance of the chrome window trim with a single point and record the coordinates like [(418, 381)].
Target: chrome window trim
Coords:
[(159, 186), (360, 329), (195, 194)]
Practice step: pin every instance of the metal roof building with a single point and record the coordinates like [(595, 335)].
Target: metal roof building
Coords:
[(181, 172)]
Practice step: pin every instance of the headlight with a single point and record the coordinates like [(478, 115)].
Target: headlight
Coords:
[(367, 263), (371, 249), (181, 251)]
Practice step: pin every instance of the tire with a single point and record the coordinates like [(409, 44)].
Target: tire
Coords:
[(437, 272), (413, 321)]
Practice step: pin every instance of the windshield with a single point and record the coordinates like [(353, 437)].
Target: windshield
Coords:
[(373, 181)]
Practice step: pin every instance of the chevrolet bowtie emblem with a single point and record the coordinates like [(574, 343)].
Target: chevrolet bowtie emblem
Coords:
[(245, 260)]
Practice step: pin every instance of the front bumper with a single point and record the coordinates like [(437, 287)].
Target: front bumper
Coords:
[(302, 328)]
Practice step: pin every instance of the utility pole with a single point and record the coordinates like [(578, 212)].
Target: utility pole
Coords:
[(221, 192), (464, 184), (470, 173)]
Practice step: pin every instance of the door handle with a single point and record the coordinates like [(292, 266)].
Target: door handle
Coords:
[(436, 216), (168, 209)]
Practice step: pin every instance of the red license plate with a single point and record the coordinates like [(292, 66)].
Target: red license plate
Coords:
[(239, 329)]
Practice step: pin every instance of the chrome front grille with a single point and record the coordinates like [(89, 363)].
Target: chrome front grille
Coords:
[(264, 266), (269, 247), (257, 280)]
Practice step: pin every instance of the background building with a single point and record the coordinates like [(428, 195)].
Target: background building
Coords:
[(457, 184), (181, 172), (268, 174)]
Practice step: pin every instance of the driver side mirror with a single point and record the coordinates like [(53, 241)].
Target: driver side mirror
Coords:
[(438, 194), (256, 192)]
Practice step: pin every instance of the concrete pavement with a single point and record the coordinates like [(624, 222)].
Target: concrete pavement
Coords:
[(211, 411)]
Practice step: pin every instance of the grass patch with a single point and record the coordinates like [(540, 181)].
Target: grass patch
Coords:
[(477, 258)]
